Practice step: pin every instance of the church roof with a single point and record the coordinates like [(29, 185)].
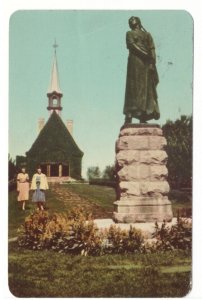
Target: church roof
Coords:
[(54, 82), (54, 143)]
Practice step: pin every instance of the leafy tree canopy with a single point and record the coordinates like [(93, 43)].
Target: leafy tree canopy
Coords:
[(93, 172), (179, 150)]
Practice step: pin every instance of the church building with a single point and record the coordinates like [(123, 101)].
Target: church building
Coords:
[(55, 149)]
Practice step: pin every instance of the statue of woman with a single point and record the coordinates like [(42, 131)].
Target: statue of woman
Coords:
[(142, 77)]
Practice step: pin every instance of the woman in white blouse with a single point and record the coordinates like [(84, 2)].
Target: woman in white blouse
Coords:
[(39, 185)]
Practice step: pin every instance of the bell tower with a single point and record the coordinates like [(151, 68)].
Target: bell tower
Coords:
[(54, 92)]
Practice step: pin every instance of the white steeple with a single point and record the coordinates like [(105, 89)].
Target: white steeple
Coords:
[(54, 93), (54, 82)]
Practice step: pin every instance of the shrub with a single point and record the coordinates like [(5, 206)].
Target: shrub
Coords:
[(76, 233), (31, 233), (123, 241), (178, 236), (73, 233)]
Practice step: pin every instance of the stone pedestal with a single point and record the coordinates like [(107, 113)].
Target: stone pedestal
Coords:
[(142, 186)]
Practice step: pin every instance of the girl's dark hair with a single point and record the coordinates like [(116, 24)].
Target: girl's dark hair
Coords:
[(135, 21)]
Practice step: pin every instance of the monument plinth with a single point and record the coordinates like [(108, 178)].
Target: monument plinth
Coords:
[(142, 186)]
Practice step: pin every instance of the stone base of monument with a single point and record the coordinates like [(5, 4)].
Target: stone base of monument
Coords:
[(147, 228), (142, 175), (132, 212)]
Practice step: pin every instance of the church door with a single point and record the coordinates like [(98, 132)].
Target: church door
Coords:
[(54, 170), (65, 170)]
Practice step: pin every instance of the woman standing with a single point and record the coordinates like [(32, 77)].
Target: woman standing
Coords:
[(23, 187), (142, 77), (39, 185)]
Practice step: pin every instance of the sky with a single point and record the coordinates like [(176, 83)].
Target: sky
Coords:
[(92, 64)]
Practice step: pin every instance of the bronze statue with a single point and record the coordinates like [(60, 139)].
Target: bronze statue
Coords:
[(142, 77)]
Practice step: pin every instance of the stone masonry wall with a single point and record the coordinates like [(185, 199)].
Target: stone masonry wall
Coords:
[(142, 175)]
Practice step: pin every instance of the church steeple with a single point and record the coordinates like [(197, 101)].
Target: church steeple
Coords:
[(54, 92)]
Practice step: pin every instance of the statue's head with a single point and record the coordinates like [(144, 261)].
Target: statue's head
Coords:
[(134, 21)]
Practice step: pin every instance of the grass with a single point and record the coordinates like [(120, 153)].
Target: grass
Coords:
[(178, 205), (51, 274), (105, 196), (101, 195), (17, 215)]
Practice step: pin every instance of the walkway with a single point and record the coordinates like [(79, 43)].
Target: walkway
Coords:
[(71, 200)]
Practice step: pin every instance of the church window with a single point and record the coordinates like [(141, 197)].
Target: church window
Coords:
[(55, 102)]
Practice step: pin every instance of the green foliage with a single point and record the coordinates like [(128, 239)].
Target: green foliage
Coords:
[(11, 168), (178, 236), (49, 273), (55, 144), (179, 196), (21, 161), (109, 173), (107, 179), (52, 274), (93, 172), (75, 233), (102, 182), (31, 233), (124, 241), (179, 150), (101, 196)]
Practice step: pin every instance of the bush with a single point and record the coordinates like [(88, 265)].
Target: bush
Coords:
[(123, 241), (178, 236), (33, 230), (76, 233), (73, 233)]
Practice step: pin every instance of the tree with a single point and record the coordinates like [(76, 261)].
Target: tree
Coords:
[(11, 168), (179, 150), (93, 173), (109, 173)]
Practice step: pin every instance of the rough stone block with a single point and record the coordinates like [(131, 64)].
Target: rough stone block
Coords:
[(130, 188), (133, 143), (141, 131), (158, 172), (130, 157), (127, 157), (129, 212), (157, 142), (138, 142), (153, 157), (134, 173), (154, 187)]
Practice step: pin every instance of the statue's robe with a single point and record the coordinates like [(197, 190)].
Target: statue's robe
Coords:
[(142, 77)]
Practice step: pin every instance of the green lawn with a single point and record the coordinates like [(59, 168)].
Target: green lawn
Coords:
[(101, 195), (17, 216), (51, 274)]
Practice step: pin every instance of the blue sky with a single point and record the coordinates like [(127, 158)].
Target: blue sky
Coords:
[(92, 61)]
